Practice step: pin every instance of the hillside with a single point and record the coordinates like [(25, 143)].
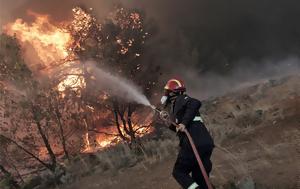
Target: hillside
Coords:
[(257, 134)]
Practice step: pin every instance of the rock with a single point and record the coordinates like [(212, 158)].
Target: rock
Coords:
[(247, 183), (259, 112)]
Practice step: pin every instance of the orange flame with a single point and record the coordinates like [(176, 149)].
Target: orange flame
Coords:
[(141, 126), (49, 41), (51, 46)]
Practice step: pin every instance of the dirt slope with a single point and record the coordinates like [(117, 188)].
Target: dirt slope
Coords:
[(257, 133)]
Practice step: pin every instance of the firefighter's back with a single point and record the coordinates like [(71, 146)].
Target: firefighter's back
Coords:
[(185, 105)]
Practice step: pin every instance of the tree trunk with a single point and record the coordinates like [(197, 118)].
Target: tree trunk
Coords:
[(118, 126), (45, 140), (58, 116), (124, 123), (86, 134), (116, 112), (131, 131)]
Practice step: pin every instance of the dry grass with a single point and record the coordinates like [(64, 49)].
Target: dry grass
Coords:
[(241, 127), (114, 159)]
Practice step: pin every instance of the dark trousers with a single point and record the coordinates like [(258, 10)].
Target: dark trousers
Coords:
[(186, 163)]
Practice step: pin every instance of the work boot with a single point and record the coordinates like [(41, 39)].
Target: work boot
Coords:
[(194, 186)]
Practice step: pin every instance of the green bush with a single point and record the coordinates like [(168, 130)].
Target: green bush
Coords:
[(5, 184)]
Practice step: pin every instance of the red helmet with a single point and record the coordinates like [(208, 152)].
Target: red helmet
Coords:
[(175, 85)]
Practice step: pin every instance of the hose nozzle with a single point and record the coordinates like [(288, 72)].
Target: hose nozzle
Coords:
[(153, 107), (162, 114)]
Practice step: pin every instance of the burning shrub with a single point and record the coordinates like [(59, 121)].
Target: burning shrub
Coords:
[(60, 52), (59, 112), (116, 43), (12, 66)]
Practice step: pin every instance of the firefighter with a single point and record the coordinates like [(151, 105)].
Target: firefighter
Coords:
[(184, 111)]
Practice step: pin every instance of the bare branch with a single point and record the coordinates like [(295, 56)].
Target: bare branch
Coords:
[(27, 151)]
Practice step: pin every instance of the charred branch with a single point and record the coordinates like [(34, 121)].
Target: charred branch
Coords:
[(61, 130), (44, 137), (48, 166)]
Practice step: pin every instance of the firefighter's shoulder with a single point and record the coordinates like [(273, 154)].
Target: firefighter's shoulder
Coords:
[(191, 100), (186, 98), (183, 98)]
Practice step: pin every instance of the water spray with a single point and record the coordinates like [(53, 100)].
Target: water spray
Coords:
[(125, 89)]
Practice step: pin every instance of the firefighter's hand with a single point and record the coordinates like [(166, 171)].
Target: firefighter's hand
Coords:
[(181, 127), (164, 115)]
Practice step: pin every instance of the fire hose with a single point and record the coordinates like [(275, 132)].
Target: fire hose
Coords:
[(165, 117)]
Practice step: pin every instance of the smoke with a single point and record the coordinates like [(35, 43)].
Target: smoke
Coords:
[(212, 84), (220, 46), (214, 45), (221, 33), (116, 86)]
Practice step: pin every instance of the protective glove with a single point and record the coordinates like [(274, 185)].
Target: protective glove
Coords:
[(164, 116), (181, 127)]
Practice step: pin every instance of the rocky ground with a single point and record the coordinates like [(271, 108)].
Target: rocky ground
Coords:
[(257, 132)]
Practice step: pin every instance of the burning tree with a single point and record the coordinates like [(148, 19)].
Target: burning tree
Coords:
[(51, 105), (117, 43), (26, 111)]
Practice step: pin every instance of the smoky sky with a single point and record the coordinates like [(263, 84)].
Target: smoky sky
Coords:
[(217, 34), (206, 36), (214, 34)]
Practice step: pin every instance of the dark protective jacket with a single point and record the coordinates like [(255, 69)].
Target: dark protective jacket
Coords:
[(183, 110)]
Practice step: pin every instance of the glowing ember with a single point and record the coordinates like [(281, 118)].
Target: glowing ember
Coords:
[(43, 153), (102, 140), (73, 80), (82, 21)]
